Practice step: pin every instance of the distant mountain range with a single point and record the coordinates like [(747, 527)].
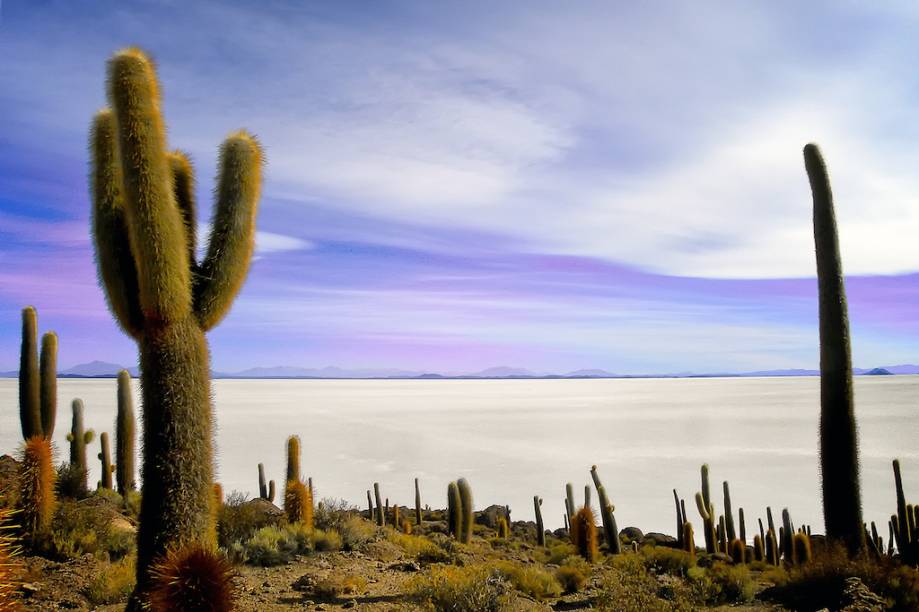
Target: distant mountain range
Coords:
[(101, 369)]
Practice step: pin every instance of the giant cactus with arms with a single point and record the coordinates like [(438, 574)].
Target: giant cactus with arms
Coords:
[(144, 231)]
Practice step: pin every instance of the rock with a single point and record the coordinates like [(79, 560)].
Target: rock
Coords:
[(561, 533), (265, 508), (349, 604), (630, 534), (303, 583), (408, 566), (489, 516), (857, 597), (659, 539), (708, 560)]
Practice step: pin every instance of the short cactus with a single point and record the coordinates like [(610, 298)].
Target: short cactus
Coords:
[(105, 458), (738, 551), (503, 528), (772, 548), (407, 527), (454, 515), (124, 436), (569, 500), (37, 500), (801, 547), (584, 534), (759, 551), (191, 578), (689, 540), (466, 509), (271, 491), (298, 506)]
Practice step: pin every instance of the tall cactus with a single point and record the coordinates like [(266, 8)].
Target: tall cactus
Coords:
[(540, 528), (144, 230), (379, 510), (728, 513), (29, 385), (417, 503), (608, 519), (105, 459), (262, 485), (124, 436), (79, 438), (842, 502), (48, 377), (454, 516), (293, 458)]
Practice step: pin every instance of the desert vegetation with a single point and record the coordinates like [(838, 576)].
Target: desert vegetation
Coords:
[(177, 543)]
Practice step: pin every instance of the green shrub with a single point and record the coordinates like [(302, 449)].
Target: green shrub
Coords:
[(71, 482), (418, 547), (449, 588), (629, 587), (559, 552), (275, 545), (663, 560), (573, 574), (820, 583), (333, 513), (112, 584), (78, 529), (529, 579), (356, 531), (237, 520), (722, 583)]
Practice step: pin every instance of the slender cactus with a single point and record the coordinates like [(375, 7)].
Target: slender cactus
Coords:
[(105, 458), (271, 491), (728, 513), (262, 485), (743, 526), (569, 500), (143, 225), (540, 528), (124, 436), (48, 378), (902, 533), (839, 465), (29, 380), (454, 516), (417, 503), (369, 506), (293, 458), (708, 522), (79, 438), (379, 507), (465, 493), (679, 520)]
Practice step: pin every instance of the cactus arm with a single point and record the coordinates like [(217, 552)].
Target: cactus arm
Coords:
[(48, 376), (839, 465), (183, 187), (154, 221), (117, 272), (232, 238), (29, 385)]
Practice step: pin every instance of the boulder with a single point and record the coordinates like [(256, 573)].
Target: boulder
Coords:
[(630, 534)]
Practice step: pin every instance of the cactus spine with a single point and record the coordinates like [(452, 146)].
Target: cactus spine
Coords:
[(540, 528), (105, 458), (417, 503), (839, 466), (79, 438), (124, 436), (466, 509), (144, 231)]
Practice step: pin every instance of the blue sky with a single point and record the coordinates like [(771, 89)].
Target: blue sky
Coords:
[(457, 185)]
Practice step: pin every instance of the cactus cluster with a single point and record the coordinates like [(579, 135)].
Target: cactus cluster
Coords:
[(904, 525), (143, 223), (460, 510), (37, 412), (266, 492)]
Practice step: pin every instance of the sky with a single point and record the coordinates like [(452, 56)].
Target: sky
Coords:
[(457, 185)]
